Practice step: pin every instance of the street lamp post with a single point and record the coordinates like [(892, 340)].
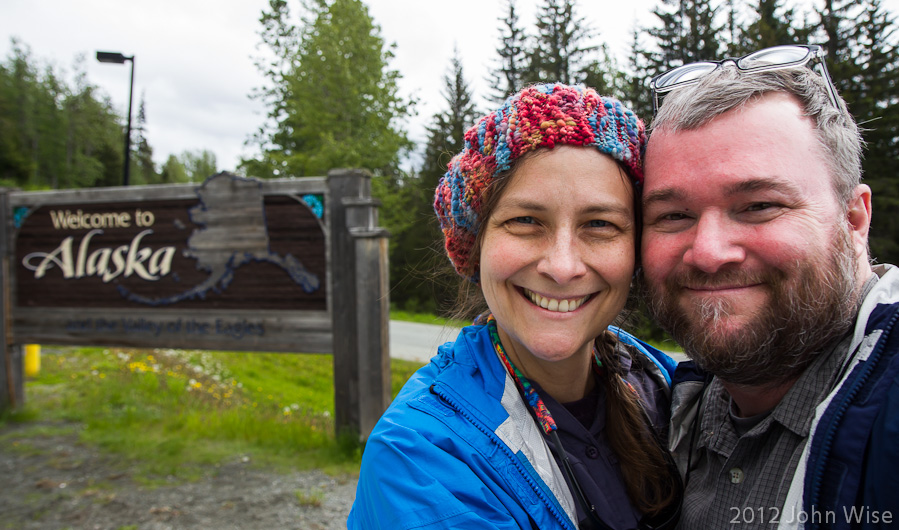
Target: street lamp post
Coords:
[(118, 58)]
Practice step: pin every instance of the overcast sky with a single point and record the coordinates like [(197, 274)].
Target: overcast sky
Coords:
[(194, 67)]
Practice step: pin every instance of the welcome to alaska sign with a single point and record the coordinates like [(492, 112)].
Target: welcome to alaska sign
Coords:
[(233, 263)]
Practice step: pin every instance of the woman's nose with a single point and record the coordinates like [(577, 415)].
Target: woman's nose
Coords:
[(563, 259)]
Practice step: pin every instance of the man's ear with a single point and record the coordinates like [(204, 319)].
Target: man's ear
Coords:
[(858, 217)]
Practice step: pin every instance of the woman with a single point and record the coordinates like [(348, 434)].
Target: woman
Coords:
[(543, 416)]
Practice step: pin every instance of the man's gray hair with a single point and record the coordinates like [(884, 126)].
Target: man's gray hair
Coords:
[(727, 88)]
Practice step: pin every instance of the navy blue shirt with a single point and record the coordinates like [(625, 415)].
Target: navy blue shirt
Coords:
[(594, 464)]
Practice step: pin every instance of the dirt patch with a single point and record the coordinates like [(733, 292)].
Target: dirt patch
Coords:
[(56, 482)]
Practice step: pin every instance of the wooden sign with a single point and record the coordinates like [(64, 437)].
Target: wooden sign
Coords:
[(234, 263), (143, 272)]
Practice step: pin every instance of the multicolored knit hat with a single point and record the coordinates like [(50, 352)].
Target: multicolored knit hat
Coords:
[(543, 115)]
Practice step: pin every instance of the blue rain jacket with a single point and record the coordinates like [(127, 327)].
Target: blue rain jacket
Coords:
[(459, 449)]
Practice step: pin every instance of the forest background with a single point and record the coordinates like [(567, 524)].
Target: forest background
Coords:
[(332, 100)]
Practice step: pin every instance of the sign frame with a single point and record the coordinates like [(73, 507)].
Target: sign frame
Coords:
[(355, 283)]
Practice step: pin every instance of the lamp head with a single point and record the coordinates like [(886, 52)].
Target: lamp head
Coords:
[(112, 57)]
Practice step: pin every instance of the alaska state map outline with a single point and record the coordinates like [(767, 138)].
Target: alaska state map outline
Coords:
[(227, 240)]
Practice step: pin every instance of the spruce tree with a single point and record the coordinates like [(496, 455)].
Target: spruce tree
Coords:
[(509, 77), (734, 45), (873, 96), (771, 26), (688, 33), (861, 41), (142, 167), (604, 74), (53, 135), (422, 278), (837, 19), (637, 92), (560, 46)]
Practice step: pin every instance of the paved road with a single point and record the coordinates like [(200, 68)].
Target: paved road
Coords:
[(413, 341)]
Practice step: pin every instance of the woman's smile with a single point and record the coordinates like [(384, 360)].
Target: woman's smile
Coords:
[(560, 305)]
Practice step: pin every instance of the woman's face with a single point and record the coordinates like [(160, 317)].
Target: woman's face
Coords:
[(557, 255)]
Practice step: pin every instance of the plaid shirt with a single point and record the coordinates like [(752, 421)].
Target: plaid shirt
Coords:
[(742, 481)]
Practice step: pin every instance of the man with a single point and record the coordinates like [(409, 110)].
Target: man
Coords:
[(755, 259)]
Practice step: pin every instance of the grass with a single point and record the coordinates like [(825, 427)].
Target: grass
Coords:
[(175, 413), (312, 498)]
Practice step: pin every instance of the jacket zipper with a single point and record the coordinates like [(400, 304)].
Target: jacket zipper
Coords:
[(830, 434), (442, 394)]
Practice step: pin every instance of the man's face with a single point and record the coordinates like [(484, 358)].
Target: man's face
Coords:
[(748, 259)]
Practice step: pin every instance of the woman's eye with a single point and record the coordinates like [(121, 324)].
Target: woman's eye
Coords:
[(526, 220), (599, 223)]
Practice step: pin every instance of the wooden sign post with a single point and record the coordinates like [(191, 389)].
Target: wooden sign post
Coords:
[(288, 265), (12, 384), (361, 304)]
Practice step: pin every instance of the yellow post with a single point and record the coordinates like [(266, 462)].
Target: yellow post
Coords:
[(32, 359)]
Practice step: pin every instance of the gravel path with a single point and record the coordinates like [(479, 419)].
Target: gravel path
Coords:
[(55, 482)]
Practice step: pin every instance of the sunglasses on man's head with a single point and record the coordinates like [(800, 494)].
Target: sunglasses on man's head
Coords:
[(775, 58)]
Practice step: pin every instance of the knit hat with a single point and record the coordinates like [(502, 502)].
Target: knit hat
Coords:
[(542, 115)]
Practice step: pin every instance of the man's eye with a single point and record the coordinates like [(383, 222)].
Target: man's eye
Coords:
[(673, 217), (599, 223), (759, 206)]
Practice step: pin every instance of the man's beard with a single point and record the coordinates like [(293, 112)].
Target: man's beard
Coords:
[(808, 307)]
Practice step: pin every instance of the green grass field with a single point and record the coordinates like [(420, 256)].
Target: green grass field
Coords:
[(174, 412)]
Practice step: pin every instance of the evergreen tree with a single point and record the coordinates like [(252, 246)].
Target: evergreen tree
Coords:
[(333, 100), (604, 74), (509, 78), (15, 165), (93, 138), (734, 46), (418, 262), (771, 26), (688, 33), (872, 93), (637, 92), (560, 46), (446, 134), (35, 103), (836, 22), (53, 135), (142, 166)]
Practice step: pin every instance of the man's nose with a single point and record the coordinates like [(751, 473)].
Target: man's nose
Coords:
[(714, 245), (563, 259)]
